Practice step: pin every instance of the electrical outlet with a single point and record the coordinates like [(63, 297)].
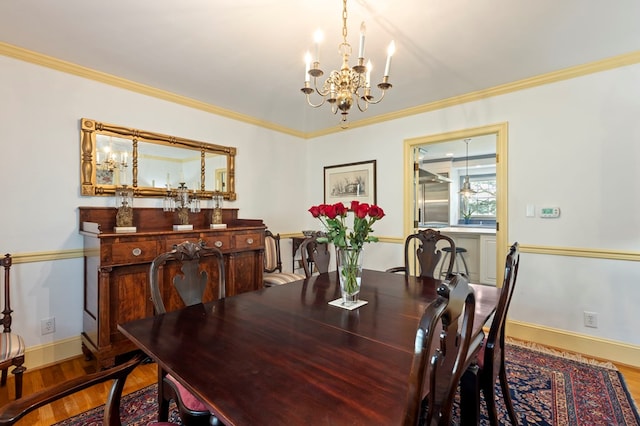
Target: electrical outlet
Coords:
[(591, 319), (48, 325)]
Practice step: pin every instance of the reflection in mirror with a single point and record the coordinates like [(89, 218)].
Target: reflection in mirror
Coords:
[(221, 179), (152, 163)]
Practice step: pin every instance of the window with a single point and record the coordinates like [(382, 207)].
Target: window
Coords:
[(480, 206)]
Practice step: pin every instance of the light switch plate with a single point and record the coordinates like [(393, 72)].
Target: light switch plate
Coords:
[(550, 212), (531, 210)]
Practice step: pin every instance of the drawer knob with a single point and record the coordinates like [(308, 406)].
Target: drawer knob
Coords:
[(249, 240), (136, 252), (218, 244)]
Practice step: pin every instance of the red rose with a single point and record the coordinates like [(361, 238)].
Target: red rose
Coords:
[(315, 211), (362, 211), (330, 211), (322, 208), (354, 205), (341, 210), (376, 212)]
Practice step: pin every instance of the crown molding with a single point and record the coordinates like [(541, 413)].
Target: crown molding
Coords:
[(552, 77), (80, 71)]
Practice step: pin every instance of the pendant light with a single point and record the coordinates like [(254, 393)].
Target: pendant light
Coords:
[(466, 190)]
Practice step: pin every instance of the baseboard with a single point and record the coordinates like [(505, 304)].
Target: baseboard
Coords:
[(595, 347), (52, 353)]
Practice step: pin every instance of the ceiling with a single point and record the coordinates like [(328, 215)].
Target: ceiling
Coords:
[(246, 56)]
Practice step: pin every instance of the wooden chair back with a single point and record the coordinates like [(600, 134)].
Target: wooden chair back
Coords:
[(13, 411), (272, 255), (428, 253), (315, 255), (192, 279), (11, 345), (494, 345), (438, 365), (493, 361)]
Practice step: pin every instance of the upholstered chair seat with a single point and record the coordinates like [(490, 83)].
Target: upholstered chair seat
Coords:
[(11, 344), (273, 274), (187, 399)]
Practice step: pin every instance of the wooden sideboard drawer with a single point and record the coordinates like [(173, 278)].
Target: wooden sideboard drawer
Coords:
[(247, 241), (134, 252), (169, 242), (222, 242)]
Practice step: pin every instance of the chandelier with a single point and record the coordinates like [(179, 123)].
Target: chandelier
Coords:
[(349, 83), (109, 159), (466, 190)]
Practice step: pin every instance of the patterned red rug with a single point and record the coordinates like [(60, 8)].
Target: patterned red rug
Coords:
[(551, 388), (547, 388)]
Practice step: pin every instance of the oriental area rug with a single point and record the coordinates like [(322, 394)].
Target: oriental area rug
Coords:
[(547, 387)]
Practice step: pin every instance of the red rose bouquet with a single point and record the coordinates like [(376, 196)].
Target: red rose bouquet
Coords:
[(349, 242), (333, 217)]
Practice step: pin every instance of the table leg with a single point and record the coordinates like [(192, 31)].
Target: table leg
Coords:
[(470, 397)]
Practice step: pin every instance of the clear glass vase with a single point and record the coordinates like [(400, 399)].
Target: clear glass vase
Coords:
[(350, 273)]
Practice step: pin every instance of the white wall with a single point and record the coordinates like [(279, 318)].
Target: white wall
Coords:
[(40, 111), (573, 144)]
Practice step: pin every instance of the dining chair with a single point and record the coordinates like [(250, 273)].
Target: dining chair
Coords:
[(273, 274), (14, 411), (428, 253), (315, 256), (489, 364), (11, 344), (188, 269), (438, 365)]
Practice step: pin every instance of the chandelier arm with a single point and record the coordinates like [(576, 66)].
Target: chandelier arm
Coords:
[(311, 104), (366, 103), (371, 101), (321, 93)]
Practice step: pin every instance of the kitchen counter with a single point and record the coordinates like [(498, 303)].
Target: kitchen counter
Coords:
[(468, 230), (480, 230)]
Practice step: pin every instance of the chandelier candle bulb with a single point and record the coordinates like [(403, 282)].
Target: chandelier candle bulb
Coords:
[(390, 51), (317, 38), (307, 62), (363, 30), (368, 77)]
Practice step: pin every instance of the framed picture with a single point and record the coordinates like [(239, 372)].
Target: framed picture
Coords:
[(348, 182)]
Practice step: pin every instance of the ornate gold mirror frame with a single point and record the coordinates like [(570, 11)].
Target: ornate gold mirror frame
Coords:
[(145, 157)]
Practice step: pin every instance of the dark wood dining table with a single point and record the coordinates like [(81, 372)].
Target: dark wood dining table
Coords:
[(283, 355)]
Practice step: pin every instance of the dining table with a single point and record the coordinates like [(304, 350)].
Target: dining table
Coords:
[(284, 356)]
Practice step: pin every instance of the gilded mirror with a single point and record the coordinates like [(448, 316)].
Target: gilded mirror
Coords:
[(151, 163)]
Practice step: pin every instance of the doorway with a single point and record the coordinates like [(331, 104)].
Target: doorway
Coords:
[(413, 207)]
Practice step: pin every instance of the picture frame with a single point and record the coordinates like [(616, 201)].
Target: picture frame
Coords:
[(348, 182)]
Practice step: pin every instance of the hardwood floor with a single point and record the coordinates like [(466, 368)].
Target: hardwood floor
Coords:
[(95, 396), (632, 379), (142, 376)]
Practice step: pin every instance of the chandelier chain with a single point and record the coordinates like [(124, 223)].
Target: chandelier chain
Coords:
[(344, 21)]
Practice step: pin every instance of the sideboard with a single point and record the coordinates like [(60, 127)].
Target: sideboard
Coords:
[(116, 268)]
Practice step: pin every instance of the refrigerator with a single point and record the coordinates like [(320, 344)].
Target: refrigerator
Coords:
[(433, 200)]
